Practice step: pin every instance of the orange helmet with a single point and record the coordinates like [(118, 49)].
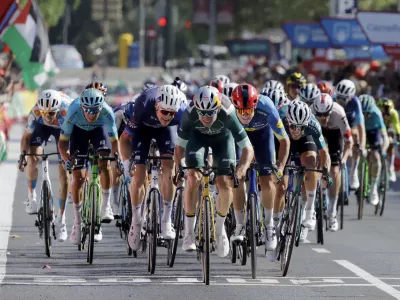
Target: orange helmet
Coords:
[(99, 86), (245, 96), (374, 66), (325, 87)]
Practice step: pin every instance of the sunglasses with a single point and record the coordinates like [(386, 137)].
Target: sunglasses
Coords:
[(323, 115), (297, 127), (296, 85), (342, 98), (48, 113), (92, 110), (207, 113), (167, 112), (245, 111)]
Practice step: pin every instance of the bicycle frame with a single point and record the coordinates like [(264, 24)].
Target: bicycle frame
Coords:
[(94, 181), (205, 196)]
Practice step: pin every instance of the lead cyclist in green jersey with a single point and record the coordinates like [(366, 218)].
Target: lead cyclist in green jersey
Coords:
[(211, 121)]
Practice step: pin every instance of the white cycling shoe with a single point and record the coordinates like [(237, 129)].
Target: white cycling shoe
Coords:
[(222, 246), (75, 236), (134, 237), (167, 231), (188, 242), (31, 206)]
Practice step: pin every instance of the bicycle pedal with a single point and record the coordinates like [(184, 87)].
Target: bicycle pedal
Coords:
[(118, 224), (117, 217), (106, 221), (36, 223)]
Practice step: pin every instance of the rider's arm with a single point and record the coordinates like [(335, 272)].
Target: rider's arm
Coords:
[(394, 119), (184, 130), (324, 158), (315, 130), (360, 122), (279, 131), (112, 131), (345, 130), (65, 132), (125, 142), (29, 129)]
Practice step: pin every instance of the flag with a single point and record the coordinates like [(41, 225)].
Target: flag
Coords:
[(28, 39), (8, 12)]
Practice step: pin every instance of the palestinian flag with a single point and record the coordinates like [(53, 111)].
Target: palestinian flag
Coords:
[(28, 39)]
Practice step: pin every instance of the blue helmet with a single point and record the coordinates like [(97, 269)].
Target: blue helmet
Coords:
[(92, 98), (128, 111)]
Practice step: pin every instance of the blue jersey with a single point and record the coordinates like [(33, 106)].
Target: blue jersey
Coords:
[(35, 117), (144, 112), (313, 128), (119, 116), (75, 117), (354, 112), (375, 120), (266, 115)]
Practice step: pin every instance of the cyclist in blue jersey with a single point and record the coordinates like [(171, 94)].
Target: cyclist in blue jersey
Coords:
[(345, 92), (306, 142), (261, 120), (89, 119), (156, 114), (45, 120), (377, 140)]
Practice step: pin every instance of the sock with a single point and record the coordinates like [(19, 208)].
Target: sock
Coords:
[(166, 216), (219, 224), (77, 213), (277, 218), (239, 216), (310, 200), (32, 183), (268, 219), (115, 192), (189, 224), (391, 162), (354, 166), (374, 183), (106, 197), (333, 206), (137, 214)]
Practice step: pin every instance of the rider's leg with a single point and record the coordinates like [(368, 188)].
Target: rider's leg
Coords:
[(353, 175), (390, 157)]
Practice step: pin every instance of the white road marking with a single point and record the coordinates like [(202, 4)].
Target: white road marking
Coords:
[(320, 250), (370, 278), (269, 281), (187, 280), (306, 242), (236, 280)]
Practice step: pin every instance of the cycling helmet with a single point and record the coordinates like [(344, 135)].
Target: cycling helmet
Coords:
[(223, 78), (92, 98), (296, 78), (180, 85), (367, 103), (309, 93), (169, 97), (385, 103), (298, 113), (345, 88), (49, 100), (325, 87), (245, 96), (274, 84), (218, 84), (148, 85), (99, 86), (323, 104), (277, 96), (128, 111), (207, 98), (228, 88)]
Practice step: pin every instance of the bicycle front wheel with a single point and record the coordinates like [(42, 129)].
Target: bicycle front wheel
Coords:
[(383, 187), (253, 234), (153, 233), (126, 215), (361, 190), (46, 216), (177, 225), (320, 215), (93, 221), (342, 195), (205, 254)]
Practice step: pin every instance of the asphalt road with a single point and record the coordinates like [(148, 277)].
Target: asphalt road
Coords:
[(362, 261)]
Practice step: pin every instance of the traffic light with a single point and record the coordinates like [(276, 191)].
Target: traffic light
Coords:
[(188, 24), (162, 22)]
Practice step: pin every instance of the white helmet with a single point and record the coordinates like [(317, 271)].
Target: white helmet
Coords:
[(277, 96), (223, 78), (274, 84), (49, 100), (324, 104), (228, 89), (207, 98), (298, 113), (310, 93), (345, 88), (170, 97)]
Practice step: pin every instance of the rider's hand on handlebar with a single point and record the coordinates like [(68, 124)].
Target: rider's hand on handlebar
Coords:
[(327, 178), (22, 162)]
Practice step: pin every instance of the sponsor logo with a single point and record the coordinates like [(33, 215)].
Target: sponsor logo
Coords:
[(279, 124)]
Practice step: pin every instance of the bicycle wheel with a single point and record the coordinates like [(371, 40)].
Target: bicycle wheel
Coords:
[(252, 210), (383, 187), (205, 253), (84, 194), (342, 195), (153, 234), (360, 193), (126, 215), (320, 215), (289, 225), (93, 221), (177, 224), (46, 216)]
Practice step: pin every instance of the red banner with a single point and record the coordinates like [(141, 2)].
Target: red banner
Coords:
[(393, 51)]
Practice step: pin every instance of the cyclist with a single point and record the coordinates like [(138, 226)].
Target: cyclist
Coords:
[(210, 121), (156, 114), (293, 84), (274, 84), (261, 121), (3, 146), (325, 87), (391, 118), (218, 84), (337, 133), (45, 120), (345, 92), (377, 140), (228, 89), (310, 93), (89, 119), (306, 142), (277, 96), (98, 86), (225, 79), (180, 85)]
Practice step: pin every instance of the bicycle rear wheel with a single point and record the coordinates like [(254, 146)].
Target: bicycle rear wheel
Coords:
[(252, 210), (153, 233), (383, 187), (320, 215), (93, 221), (360, 193), (205, 253), (46, 216), (342, 195), (126, 207), (177, 225)]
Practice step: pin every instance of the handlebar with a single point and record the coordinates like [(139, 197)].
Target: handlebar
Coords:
[(44, 156), (272, 167)]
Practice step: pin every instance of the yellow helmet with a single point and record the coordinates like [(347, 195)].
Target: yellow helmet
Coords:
[(385, 103), (296, 78)]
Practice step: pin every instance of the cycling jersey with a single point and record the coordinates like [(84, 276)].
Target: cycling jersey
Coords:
[(119, 116), (392, 120), (144, 112), (266, 115), (75, 117), (35, 117), (354, 113), (337, 120), (226, 121), (374, 120)]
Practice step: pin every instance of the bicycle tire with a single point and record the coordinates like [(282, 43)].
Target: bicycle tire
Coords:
[(233, 252), (243, 253), (320, 216), (93, 221), (293, 213), (384, 185), (177, 226), (253, 234), (342, 195), (126, 216), (360, 194), (205, 254), (152, 253), (46, 217), (84, 214)]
